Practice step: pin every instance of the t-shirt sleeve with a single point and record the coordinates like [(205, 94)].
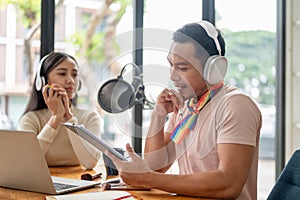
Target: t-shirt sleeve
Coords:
[(239, 121)]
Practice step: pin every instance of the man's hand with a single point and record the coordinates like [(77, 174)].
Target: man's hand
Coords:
[(169, 100), (133, 172)]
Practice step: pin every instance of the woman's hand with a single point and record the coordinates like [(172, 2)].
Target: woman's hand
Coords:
[(57, 101), (67, 103), (54, 100)]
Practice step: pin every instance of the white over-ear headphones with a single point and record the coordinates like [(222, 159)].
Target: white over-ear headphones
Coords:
[(216, 66), (40, 80)]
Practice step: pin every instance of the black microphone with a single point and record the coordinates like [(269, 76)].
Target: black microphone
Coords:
[(117, 95)]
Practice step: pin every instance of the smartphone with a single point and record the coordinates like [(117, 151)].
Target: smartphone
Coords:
[(48, 89)]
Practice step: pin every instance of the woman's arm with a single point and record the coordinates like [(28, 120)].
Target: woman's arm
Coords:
[(87, 154), (45, 133)]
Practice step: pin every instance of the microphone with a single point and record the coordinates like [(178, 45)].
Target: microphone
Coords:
[(117, 95)]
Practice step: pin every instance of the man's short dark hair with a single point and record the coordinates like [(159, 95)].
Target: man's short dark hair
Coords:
[(194, 32)]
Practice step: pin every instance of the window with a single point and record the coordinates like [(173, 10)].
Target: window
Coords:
[(249, 32)]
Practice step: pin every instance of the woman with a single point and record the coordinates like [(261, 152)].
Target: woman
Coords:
[(52, 102)]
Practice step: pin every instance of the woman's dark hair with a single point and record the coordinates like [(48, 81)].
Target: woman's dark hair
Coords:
[(194, 32), (36, 99)]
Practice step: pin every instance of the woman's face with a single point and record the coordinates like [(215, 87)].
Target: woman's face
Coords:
[(66, 75)]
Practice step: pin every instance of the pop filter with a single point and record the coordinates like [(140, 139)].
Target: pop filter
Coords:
[(117, 95)]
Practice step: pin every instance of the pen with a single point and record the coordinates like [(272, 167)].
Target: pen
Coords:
[(123, 197)]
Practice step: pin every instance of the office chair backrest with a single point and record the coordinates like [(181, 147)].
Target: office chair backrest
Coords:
[(287, 186)]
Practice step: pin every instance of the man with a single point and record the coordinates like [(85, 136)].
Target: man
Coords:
[(213, 130)]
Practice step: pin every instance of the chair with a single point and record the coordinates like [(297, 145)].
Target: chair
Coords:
[(287, 186)]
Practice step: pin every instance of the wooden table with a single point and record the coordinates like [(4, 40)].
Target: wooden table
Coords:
[(75, 172)]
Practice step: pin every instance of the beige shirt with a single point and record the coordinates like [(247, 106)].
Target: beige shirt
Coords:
[(61, 146), (230, 117)]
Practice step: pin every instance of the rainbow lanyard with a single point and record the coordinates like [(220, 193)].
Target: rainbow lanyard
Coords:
[(188, 123)]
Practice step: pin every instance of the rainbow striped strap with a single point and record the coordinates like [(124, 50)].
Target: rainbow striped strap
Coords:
[(188, 123)]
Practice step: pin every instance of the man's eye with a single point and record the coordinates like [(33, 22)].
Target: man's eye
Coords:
[(182, 68)]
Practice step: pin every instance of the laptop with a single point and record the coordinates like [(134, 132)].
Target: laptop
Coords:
[(23, 166)]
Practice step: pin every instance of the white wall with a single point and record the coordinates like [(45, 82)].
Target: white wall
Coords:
[(292, 77)]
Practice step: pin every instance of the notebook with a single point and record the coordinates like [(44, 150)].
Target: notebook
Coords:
[(105, 195), (23, 166)]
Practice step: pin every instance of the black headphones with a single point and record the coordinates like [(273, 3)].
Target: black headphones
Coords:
[(216, 66), (40, 80)]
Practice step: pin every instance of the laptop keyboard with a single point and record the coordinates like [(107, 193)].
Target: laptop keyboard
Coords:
[(60, 186)]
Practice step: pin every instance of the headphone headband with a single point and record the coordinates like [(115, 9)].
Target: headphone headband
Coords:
[(211, 32), (216, 65)]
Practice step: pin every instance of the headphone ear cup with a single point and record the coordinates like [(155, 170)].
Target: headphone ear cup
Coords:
[(215, 69), (40, 80), (39, 83)]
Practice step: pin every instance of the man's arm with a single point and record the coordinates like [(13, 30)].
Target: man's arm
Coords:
[(226, 182), (159, 152)]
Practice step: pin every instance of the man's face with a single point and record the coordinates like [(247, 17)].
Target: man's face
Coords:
[(186, 70)]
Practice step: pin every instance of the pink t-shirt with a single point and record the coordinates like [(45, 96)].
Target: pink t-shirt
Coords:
[(230, 117)]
